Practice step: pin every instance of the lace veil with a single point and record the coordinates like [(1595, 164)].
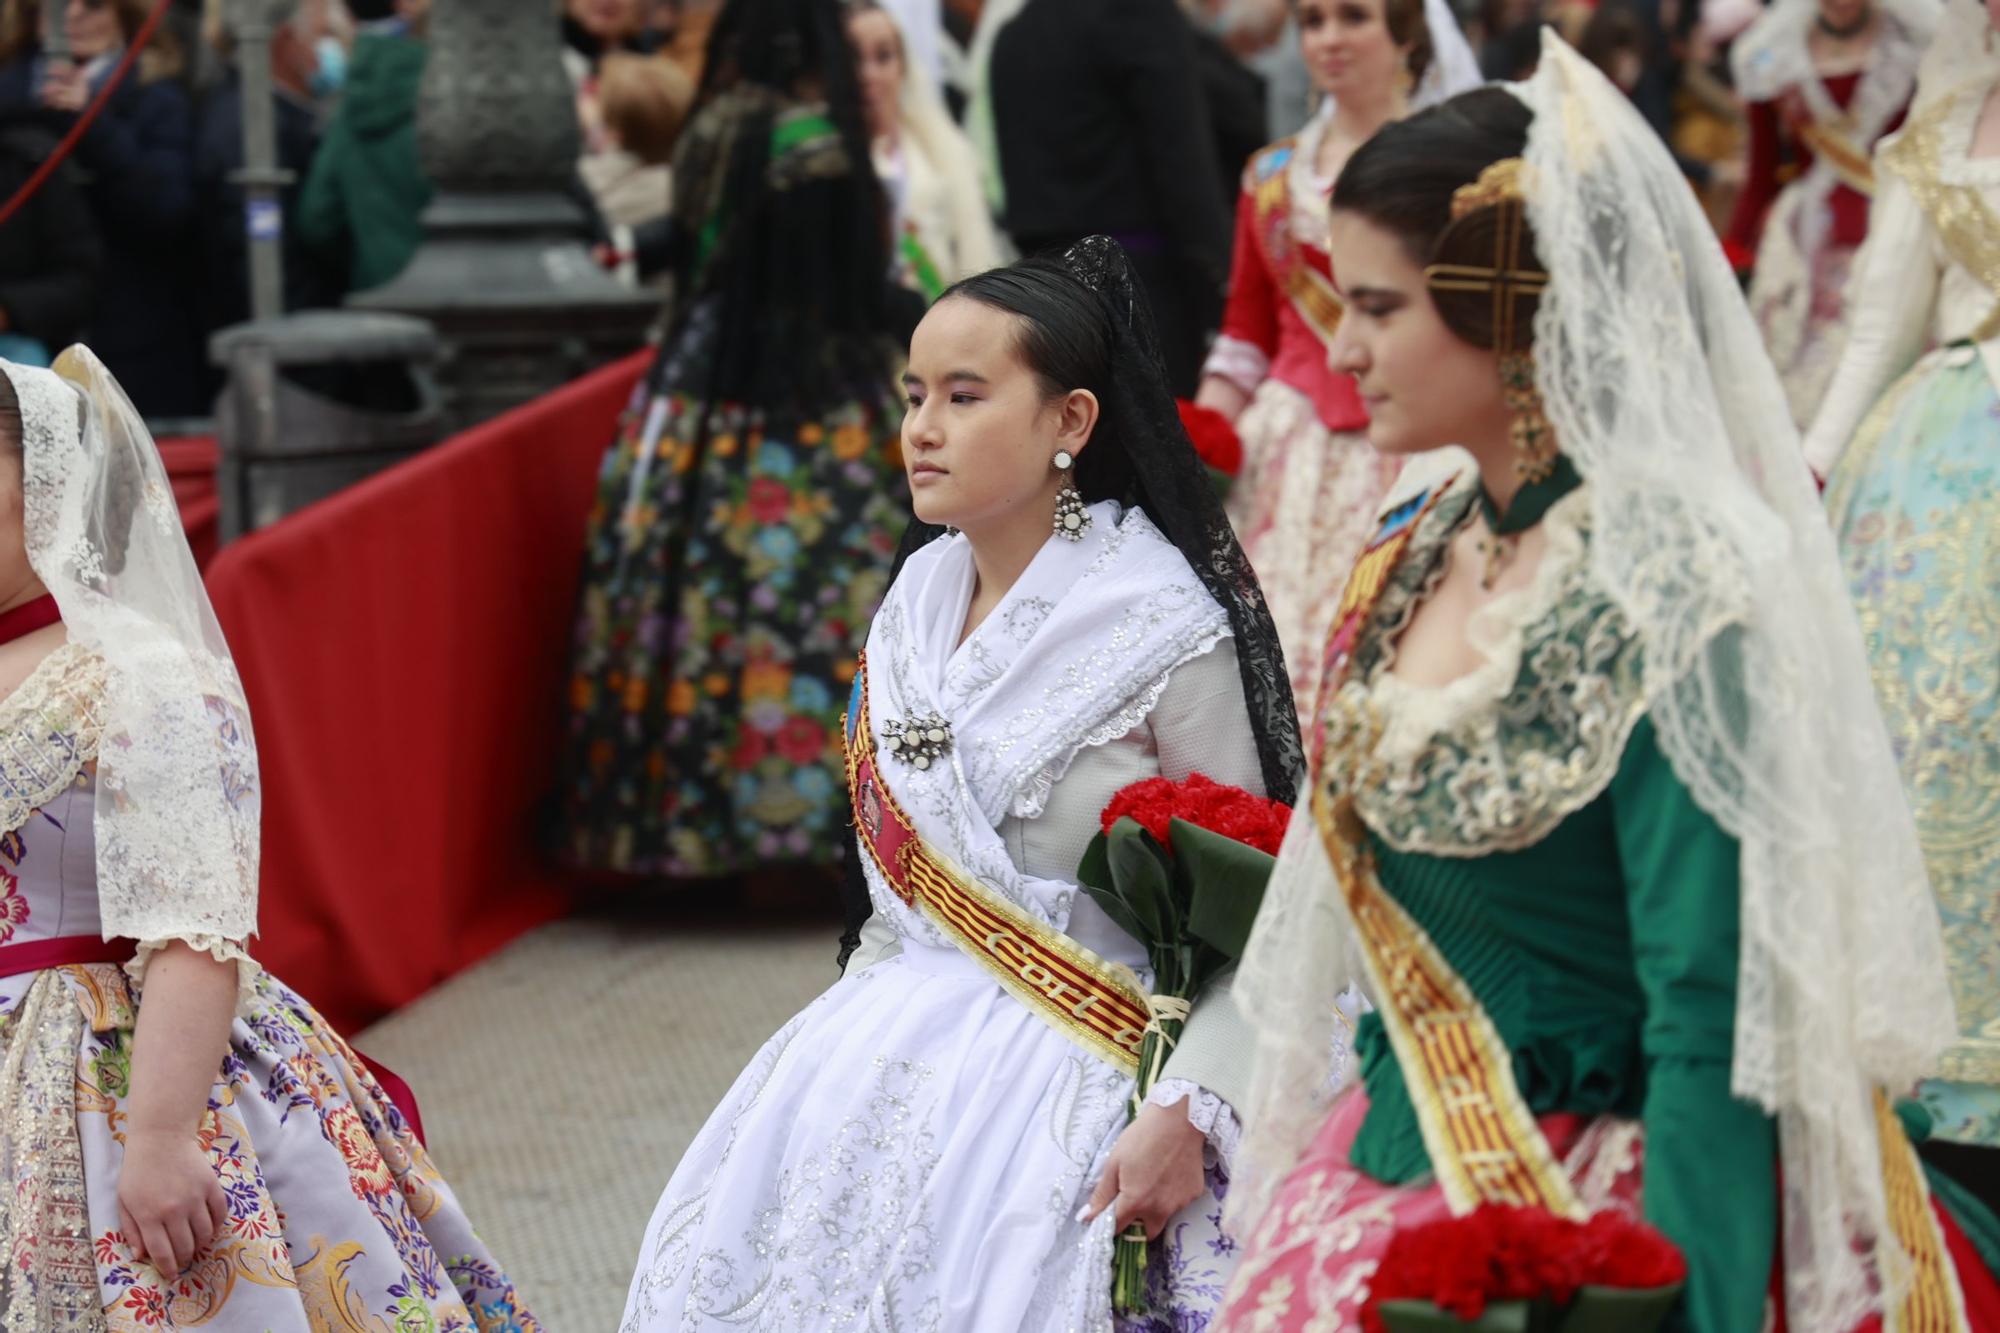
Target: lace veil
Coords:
[(1453, 68), (177, 783), (1711, 540)]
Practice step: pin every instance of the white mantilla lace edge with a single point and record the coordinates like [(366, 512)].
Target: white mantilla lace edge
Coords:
[(216, 947), (1214, 1117)]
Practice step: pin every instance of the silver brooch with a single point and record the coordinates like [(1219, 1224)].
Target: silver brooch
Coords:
[(918, 741)]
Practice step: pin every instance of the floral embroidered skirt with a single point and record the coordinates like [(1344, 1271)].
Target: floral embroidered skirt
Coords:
[(1307, 1263), (731, 571), (337, 1218), (1306, 502), (1915, 504)]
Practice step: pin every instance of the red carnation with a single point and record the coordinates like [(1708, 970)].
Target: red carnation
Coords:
[(1495, 1253), (1214, 438), (1231, 811)]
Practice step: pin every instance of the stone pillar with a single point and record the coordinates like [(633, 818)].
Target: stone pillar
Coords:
[(504, 272)]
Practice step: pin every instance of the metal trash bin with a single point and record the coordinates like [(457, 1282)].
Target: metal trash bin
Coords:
[(315, 401)]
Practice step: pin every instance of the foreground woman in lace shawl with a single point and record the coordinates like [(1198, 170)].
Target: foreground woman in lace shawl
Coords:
[(1644, 931), (918, 1149), (164, 1165)]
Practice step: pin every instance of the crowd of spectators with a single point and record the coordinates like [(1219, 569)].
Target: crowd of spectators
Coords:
[(1132, 117)]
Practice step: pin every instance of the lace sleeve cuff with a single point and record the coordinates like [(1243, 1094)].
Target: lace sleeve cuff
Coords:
[(1214, 1117), (222, 950), (1242, 363)]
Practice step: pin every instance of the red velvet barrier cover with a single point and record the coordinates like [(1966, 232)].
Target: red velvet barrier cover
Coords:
[(404, 645)]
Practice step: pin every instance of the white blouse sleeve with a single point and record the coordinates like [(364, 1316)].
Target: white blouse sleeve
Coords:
[(1894, 292)]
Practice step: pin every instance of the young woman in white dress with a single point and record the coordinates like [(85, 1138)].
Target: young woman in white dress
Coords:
[(940, 1140)]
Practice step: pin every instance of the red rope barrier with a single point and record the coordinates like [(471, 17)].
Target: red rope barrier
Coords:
[(88, 115)]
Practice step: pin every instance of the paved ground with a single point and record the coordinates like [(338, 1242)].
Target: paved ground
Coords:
[(562, 1078)]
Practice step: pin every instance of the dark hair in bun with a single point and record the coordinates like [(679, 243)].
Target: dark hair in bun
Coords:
[(1403, 180)]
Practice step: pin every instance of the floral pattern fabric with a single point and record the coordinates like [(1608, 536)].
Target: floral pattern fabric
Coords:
[(1308, 1264), (733, 565), (339, 1222), (1915, 505)]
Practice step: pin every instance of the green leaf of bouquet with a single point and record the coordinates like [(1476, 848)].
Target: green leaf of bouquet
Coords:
[(1228, 879), (1139, 866), (1118, 910), (1094, 871)]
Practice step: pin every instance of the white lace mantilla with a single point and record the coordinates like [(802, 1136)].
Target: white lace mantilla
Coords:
[(178, 792)]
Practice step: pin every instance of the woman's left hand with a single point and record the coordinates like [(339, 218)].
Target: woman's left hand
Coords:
[(1155, 1170)]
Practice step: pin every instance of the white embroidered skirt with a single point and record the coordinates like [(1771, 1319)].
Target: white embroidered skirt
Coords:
[(910, 1152)]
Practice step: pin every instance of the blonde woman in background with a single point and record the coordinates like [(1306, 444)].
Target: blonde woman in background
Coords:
[(630, 130), (943, 231)]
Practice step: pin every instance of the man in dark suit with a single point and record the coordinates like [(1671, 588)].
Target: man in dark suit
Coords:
[(1102, 126)]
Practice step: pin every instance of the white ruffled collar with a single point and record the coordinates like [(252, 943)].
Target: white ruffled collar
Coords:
[(1073, 656)]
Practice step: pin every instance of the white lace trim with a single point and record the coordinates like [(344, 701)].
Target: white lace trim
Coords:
[(1031, 802), (1413, 715), (1207, 1112), (223, 951), (51, 723)]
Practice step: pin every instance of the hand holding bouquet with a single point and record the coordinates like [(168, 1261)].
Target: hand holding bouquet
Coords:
[(1181, 867)]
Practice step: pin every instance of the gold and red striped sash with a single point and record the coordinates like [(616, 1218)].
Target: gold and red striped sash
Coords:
[(1309, 290), (1483, 1141), (1850, 162), (1092, 1002), (1481, 1136), (1933, 1302)]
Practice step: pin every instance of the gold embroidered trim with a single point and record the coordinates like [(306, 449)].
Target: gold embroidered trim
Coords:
[(1933, 1302), (1094, 1003), (48, 1274), (1502, 773), (1483, 1141), (1965, 222)]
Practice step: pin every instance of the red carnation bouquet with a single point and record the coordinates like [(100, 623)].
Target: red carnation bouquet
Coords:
[(1525, 1270), (1181, 867), (1215, 442)]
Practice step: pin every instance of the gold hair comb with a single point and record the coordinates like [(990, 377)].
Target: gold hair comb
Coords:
[(1501, 181)]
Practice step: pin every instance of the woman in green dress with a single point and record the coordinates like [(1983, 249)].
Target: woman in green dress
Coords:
[(1603, 818)]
